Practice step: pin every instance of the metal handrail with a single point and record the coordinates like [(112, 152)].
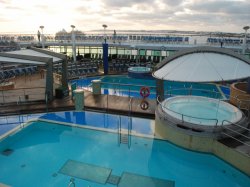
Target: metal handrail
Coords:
[(183, 115), (235, 125), (20, 118), (24, 88), (19, 95), (238, 133), (72, 182), (241, 102), (117, 87), (130, 123), (123, 84), (119, 130), (244, 97), (119, 126), (169, 92)]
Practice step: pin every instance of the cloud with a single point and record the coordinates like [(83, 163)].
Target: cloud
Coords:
[(4, 19), (225, 6), (130, 14), (127, 3), (14, 8), (4, 1)]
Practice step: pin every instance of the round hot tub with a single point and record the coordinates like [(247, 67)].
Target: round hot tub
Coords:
[(139, 72), (194, 122), (201, 110)]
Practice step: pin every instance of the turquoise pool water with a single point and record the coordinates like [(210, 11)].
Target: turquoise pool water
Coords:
[(201, 111), (40, 151), (123, 85)]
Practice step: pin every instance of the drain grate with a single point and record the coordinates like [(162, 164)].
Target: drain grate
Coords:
[(113, 179), (7, 152)]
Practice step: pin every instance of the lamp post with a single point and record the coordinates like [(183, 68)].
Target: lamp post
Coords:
[(42, 35), (105, 36), (105, 48), (73, 38), (245, 39)]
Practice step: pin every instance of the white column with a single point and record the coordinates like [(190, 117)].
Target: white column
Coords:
[(79, 99), (96, 87)]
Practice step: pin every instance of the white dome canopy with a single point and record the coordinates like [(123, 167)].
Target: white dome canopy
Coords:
[(203, 64)]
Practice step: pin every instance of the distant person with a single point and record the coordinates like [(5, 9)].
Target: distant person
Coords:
[(39, 35)]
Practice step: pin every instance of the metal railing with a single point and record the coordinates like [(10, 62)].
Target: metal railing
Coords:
[(235, 132), (183, 116), (71, 182), (130, 122), (12, 120), (196, 92), (22, 95), (243, 101), (122, 137), (122, 89), (144, 37)]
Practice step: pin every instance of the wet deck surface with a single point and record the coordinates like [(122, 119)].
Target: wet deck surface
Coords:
[(107, 103), (14, 102)]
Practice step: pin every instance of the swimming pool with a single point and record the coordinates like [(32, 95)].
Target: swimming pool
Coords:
[(44, 151), (124, 85)]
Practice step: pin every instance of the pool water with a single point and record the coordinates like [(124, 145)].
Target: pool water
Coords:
[(201, 110), (124, 85), (40, 151)]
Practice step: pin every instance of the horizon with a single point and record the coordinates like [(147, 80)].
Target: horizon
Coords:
[(134, 31), (226, 16)]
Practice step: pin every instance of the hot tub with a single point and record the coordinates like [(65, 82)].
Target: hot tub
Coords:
[(139, 72), (201, 110)]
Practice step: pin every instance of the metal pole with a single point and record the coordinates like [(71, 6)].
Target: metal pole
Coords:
[(73, 38), (42, 36), (3, 97), (245, 40)]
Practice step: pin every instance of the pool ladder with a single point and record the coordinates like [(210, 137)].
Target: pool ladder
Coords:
[(125, 138), (72, 183)]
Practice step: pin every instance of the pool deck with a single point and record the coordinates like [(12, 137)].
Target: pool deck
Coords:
[(102, 103)]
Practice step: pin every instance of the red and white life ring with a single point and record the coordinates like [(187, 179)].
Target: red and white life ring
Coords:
[(144, 92)]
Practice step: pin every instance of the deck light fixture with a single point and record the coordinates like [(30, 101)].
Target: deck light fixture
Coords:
[(42, 35), (73, 38), (245, 39), (105, 36)]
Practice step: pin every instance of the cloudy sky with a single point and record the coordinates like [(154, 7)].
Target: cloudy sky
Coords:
[(195, 15)]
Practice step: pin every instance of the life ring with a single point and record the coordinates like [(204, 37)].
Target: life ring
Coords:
[(144, 105), (144, 92)]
